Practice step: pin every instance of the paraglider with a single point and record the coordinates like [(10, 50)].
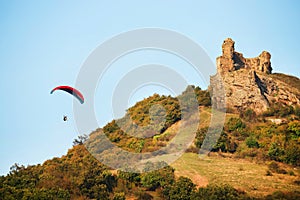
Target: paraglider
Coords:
[(71, 91)]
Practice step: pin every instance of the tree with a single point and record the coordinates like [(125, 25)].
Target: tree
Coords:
[(158, 178), (182, 189), (81, 139)]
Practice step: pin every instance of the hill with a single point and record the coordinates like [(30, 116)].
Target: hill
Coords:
[(257, 155), (253, 158)]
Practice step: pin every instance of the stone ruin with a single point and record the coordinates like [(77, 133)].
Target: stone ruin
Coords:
[(230, 60), (247, 83)]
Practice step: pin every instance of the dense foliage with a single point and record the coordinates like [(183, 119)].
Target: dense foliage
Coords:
[(279, 142), (77, 174)]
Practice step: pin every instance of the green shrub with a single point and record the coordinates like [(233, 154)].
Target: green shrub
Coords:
[(182, 189), (151, 180), (221, 143), (200, 136), (203, 97), (130, 177), (294, 129), (158, 178), (235, 124), (225, 144), (275, 152), (248, 115), (111, 127), (119, 196), (251, 142), (293, 195), (292, 153), (218, 192), (297, 111), (247, 152), (278, 110)]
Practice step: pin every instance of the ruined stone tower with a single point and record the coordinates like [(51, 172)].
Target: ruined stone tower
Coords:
[(247, 83), (230, 60)]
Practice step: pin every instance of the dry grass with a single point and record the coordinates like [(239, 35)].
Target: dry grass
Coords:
[(241, 174), (292, 81)]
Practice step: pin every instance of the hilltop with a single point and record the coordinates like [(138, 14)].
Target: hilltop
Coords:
[(249, 82), (257, 155)]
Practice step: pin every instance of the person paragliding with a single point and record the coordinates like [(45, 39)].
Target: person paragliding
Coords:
[(71, 91)]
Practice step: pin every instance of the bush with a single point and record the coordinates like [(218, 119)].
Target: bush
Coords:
[(294, 129), (278, 110), (142, 195), (247, 152), (297, 111), (151, 180), (292, 154), (275, 152), (203, 97), (111, 127), (235, 124), (182, 189), (284, 195), (119, 196), (158, 178), (200, 136), (225, 144), (249, 115), (130, 177), (218, 192), (221, 143), (274, 167), (251, 142)]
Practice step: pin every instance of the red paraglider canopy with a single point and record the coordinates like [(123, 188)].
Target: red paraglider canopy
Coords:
[(70, 90)]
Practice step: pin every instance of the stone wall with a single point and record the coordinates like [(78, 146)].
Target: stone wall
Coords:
[(230, 60), (245, 83)]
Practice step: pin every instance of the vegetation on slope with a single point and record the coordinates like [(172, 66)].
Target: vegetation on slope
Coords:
[(78, 175), (144, 134), (292, 81), (259, 139)]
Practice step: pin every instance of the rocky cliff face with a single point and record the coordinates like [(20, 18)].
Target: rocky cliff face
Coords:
[(248, 82)]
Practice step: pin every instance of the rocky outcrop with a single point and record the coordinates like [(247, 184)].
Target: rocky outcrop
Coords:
[(248, 82)]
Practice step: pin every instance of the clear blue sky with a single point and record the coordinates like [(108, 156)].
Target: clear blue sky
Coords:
[(43, 44)]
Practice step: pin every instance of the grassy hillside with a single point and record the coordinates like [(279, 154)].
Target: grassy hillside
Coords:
[(242, 174), (256, 157)]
